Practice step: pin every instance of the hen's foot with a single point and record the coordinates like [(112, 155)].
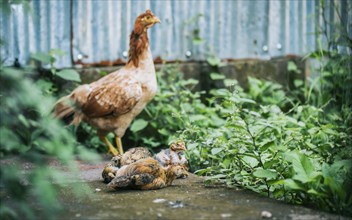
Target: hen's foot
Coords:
[(119, 144), (111, 148)]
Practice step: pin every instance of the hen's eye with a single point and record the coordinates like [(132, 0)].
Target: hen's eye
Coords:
[(147, 17)]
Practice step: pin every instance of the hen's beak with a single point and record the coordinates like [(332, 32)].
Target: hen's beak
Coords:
[(156, 20)]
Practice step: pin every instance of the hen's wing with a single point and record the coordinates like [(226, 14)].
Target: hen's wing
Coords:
[(112, 97)]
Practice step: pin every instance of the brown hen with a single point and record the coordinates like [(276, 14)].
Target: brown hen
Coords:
[(112, 102)]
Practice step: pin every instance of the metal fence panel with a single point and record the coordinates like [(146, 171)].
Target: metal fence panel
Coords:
[(96, 31)]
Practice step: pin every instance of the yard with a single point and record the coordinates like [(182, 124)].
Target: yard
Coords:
[(265, 112)]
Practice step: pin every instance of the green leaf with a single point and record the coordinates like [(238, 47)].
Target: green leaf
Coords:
[(214, 61), (245, 100), (216, 76), (163, 131), (69, 74), (261, 173), (45, 86), (194, 118), (298, 82), (251, 161), (138, 125), (292, 184), (12, 140), (292, 67), (24, 121), (230, 82), (302, 166), (57, 52), (264, 146), (189, 82), (314, 192), (192, 146), (198, 40), (216, 150), (42, 57)]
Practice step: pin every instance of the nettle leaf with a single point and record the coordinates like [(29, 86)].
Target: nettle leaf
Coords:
[(44, 85), (216, 76), (316, 193), (216, 150), (304, 168), (339, 166), (230, 82), (293, 67), (57, 52), (189, 82), (265, 145), (163, 131), (226, 163), (138, 125), (42, 57), (298, 82), (192, 146), (214, 61), (194, 118), (69, 74), (245, 100), (251, 161), (261, 173), (292, 184)]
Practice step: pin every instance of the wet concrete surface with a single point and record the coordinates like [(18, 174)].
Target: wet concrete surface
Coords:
[(185, 199)]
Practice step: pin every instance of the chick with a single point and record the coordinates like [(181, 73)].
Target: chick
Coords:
[(145, 174), (133, 155), (130, 156), (110, 169), (174, 156)]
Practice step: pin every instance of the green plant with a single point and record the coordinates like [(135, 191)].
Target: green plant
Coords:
[(6, 6), (158, 124), (50, 82), (279, 154), (260, 139), (330, 85), (28, 133)]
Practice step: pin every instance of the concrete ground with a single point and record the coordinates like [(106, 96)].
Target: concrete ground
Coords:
[(185, 199)]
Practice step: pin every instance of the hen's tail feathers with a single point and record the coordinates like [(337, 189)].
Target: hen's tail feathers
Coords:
[(65, 110)]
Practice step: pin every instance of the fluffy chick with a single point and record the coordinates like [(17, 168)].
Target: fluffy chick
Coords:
[(174, 156), (145, 174), (130, 156)]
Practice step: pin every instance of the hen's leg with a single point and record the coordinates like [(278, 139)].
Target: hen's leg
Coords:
[(119, 145), (107, 142)]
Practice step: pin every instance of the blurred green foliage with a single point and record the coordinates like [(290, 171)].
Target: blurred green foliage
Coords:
[(29, 135)]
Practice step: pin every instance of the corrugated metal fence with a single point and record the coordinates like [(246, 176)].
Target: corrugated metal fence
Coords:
[(97, 31)]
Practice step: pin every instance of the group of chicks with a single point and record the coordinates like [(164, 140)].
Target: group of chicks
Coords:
[(138, 169)]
